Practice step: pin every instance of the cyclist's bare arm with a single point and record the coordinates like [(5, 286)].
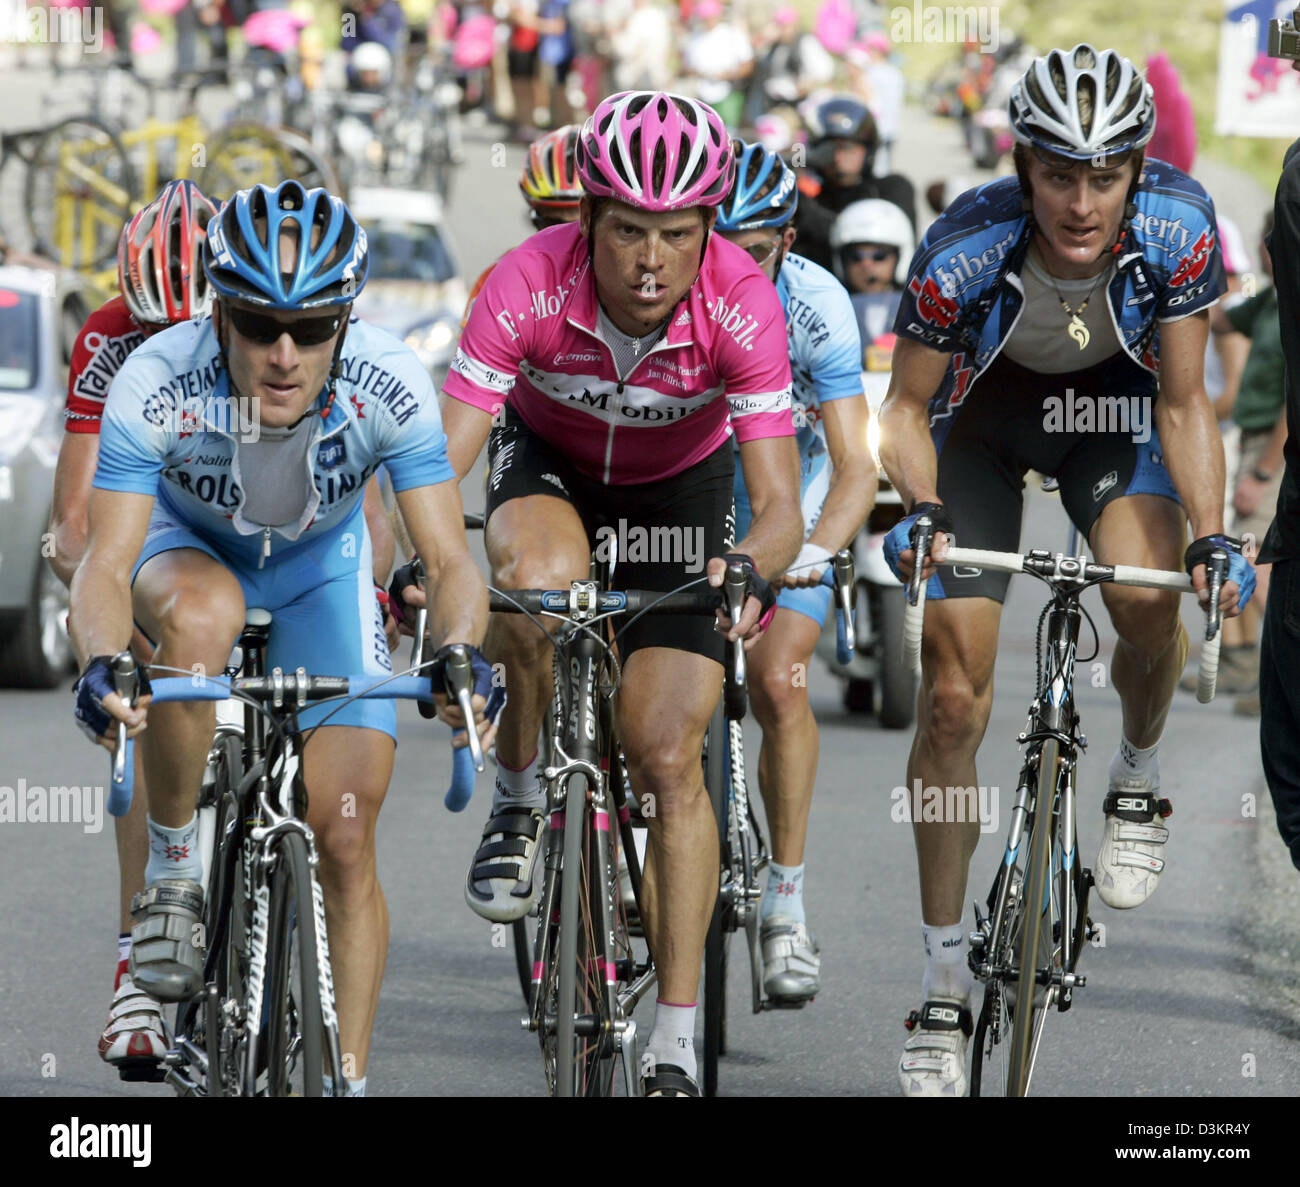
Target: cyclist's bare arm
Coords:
[(906, 447), (1189, 435), (381, 531), (78, 454), (852, 491), (101, 622), (467, 430), (771, 469)]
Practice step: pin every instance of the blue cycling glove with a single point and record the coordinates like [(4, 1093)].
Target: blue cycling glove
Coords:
[(94, 684), (1240, 570), (903, 536)]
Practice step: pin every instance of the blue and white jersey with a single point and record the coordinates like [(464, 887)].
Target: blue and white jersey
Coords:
[(964, 293), (170, 429), (825, 346)]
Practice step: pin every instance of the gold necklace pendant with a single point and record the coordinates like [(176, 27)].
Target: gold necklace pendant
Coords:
[(1078, 331)]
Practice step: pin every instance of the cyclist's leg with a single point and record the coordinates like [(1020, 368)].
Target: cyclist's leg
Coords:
[(335, 626), (184, 597), (535, 540), (1119, 493)]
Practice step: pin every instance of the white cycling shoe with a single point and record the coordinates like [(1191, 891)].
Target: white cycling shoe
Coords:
[(934, 1057), (792, 966), (1132, 846), (134, 1040)]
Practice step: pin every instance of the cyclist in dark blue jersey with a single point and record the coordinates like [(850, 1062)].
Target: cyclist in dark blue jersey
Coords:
[(1031, 336)]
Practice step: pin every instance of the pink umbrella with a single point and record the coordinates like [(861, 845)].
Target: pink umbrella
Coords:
[(275, 29)]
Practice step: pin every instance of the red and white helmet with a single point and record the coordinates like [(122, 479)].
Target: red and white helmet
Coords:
[(160, 257), (656, 151)]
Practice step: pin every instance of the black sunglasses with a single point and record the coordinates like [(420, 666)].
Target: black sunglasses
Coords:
[(878, 255), (264, 330)]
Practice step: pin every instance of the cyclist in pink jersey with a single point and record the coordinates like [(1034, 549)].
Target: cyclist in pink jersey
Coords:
[(607, 364)]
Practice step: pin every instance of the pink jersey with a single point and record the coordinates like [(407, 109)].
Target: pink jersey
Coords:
[(723, 365)]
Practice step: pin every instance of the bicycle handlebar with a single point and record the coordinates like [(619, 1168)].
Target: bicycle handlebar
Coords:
[(280, 687), (1044, 564)]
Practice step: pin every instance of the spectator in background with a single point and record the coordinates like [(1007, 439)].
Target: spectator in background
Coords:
[(642, 48), (555, 51), (380, 21), (717, 59), (1279, 691), (790, 64), (842, 145), (875, 80), (872, 245), (1259, 413), (521, 63)]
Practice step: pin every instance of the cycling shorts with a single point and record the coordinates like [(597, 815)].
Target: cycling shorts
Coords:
[(814, 483), (325, 617), (1015, 420), (666, 530)]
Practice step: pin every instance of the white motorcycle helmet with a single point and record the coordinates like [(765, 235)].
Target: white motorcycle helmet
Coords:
[(873, 220), (371, 57)]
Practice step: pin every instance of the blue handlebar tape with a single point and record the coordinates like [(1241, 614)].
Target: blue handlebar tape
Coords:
[(462, 778), (119, 794)]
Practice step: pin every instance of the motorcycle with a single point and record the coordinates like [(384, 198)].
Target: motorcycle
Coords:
[(876, 679)]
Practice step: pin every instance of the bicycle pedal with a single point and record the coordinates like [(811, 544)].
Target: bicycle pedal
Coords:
[(787, 1003), (144, 1071)]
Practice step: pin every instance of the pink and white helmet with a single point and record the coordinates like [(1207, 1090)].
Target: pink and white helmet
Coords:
[(656, 151)]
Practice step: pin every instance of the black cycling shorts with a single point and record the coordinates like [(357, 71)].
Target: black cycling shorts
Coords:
[(1014, 420), (666, 531)]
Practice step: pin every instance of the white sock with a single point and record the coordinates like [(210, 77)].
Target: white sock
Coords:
[(946, 971), (173, 852), (1133, 763), (784, 895), (672, 1041), (355, 1087), (123, 947), (518, 789)]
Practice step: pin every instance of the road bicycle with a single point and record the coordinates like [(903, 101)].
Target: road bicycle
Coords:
[(1028, 938), (265, 1023), (743, 848), (591, 967)]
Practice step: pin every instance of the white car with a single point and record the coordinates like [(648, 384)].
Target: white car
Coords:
[(40, 315), (415, 289)]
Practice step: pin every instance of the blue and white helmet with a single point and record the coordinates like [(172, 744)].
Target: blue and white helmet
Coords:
[(242, 260), (765, 192)]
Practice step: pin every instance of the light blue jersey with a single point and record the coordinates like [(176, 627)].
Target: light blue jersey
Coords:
[(170, 429)]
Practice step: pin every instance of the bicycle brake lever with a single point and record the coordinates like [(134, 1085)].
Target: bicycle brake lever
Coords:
[(734, 586), (124, 683), (458, 676), (421, 617), (1214, 572), (924, 535), (844, 578)]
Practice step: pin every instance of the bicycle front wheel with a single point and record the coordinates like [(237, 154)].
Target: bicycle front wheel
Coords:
[(1035, 929), (295, 1014)]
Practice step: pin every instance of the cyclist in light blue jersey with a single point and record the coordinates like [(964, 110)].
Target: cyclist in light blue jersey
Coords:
[(233, 457), (837, 480)]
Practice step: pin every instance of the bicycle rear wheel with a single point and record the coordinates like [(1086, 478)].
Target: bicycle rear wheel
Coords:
[(295, 1013), (716, 943), (1035, 919)]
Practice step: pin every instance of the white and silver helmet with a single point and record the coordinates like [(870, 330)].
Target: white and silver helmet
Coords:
[(873, 220), (1082, 103)]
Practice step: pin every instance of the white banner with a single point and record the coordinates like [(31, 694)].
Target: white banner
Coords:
[(1258, 95)]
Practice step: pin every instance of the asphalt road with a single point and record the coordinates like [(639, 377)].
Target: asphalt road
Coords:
[(1193, 995)]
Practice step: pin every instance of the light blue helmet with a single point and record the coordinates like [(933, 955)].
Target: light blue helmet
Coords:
[(242, 260), (765, 192)]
